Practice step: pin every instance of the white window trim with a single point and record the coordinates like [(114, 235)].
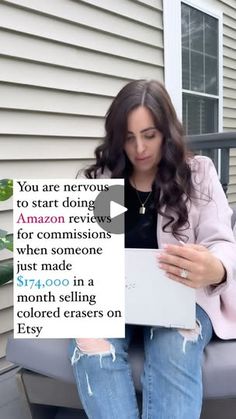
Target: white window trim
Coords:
[(173, 50)]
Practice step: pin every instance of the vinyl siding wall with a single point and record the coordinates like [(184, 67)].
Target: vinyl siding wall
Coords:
[(61, 62), (229, 72)]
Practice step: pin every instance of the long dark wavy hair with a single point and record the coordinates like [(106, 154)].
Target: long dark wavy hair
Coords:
[(172, 186)]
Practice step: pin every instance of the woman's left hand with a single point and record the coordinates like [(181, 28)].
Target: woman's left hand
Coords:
[(191, 264)]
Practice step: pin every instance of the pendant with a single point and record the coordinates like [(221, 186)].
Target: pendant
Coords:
[(142, 210)]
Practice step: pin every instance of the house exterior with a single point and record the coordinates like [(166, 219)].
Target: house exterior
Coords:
[(62, 62)]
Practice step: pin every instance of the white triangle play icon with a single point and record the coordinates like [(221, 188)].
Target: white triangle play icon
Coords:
[(116, 209)]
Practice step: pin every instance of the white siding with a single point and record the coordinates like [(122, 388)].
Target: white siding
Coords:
[(60, 65), (229, 51)]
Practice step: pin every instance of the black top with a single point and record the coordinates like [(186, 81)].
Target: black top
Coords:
[(140, 229)]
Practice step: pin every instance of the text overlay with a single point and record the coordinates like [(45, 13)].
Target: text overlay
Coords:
[(68, 270)]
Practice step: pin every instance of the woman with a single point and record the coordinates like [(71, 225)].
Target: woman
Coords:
[(172, 199)]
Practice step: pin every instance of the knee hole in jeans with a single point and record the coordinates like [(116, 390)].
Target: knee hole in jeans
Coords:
[(88, 346), (191, 335)]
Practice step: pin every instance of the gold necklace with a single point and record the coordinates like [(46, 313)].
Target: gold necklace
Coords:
[(142, 209)]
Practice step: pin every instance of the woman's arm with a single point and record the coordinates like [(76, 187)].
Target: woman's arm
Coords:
[(211, 261)]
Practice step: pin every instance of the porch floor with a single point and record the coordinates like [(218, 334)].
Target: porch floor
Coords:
[(12, 407)]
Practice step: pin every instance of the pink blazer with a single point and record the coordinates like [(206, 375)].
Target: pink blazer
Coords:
[(210, 226)]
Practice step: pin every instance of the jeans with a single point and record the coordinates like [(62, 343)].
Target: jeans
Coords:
[(171, 380)]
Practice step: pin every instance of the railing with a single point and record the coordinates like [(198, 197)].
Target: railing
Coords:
[(209, 144)]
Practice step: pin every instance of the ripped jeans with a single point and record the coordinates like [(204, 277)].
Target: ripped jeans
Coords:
[(171, 380)]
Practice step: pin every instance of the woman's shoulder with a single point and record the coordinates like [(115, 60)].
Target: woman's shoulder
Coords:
[(200, 163), (204, 176), (202, 168)]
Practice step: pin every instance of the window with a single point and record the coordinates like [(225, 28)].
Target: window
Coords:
[(200, 71), (193, 63)]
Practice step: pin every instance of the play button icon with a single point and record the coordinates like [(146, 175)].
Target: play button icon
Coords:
[(109, 209), (116, 209)]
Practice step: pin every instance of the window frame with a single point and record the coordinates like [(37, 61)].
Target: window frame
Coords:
[(173, 51)]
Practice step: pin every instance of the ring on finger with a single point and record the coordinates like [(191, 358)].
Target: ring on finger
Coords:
[(184, 274)]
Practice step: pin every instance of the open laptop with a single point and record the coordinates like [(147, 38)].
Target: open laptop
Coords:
[(151, 297)]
